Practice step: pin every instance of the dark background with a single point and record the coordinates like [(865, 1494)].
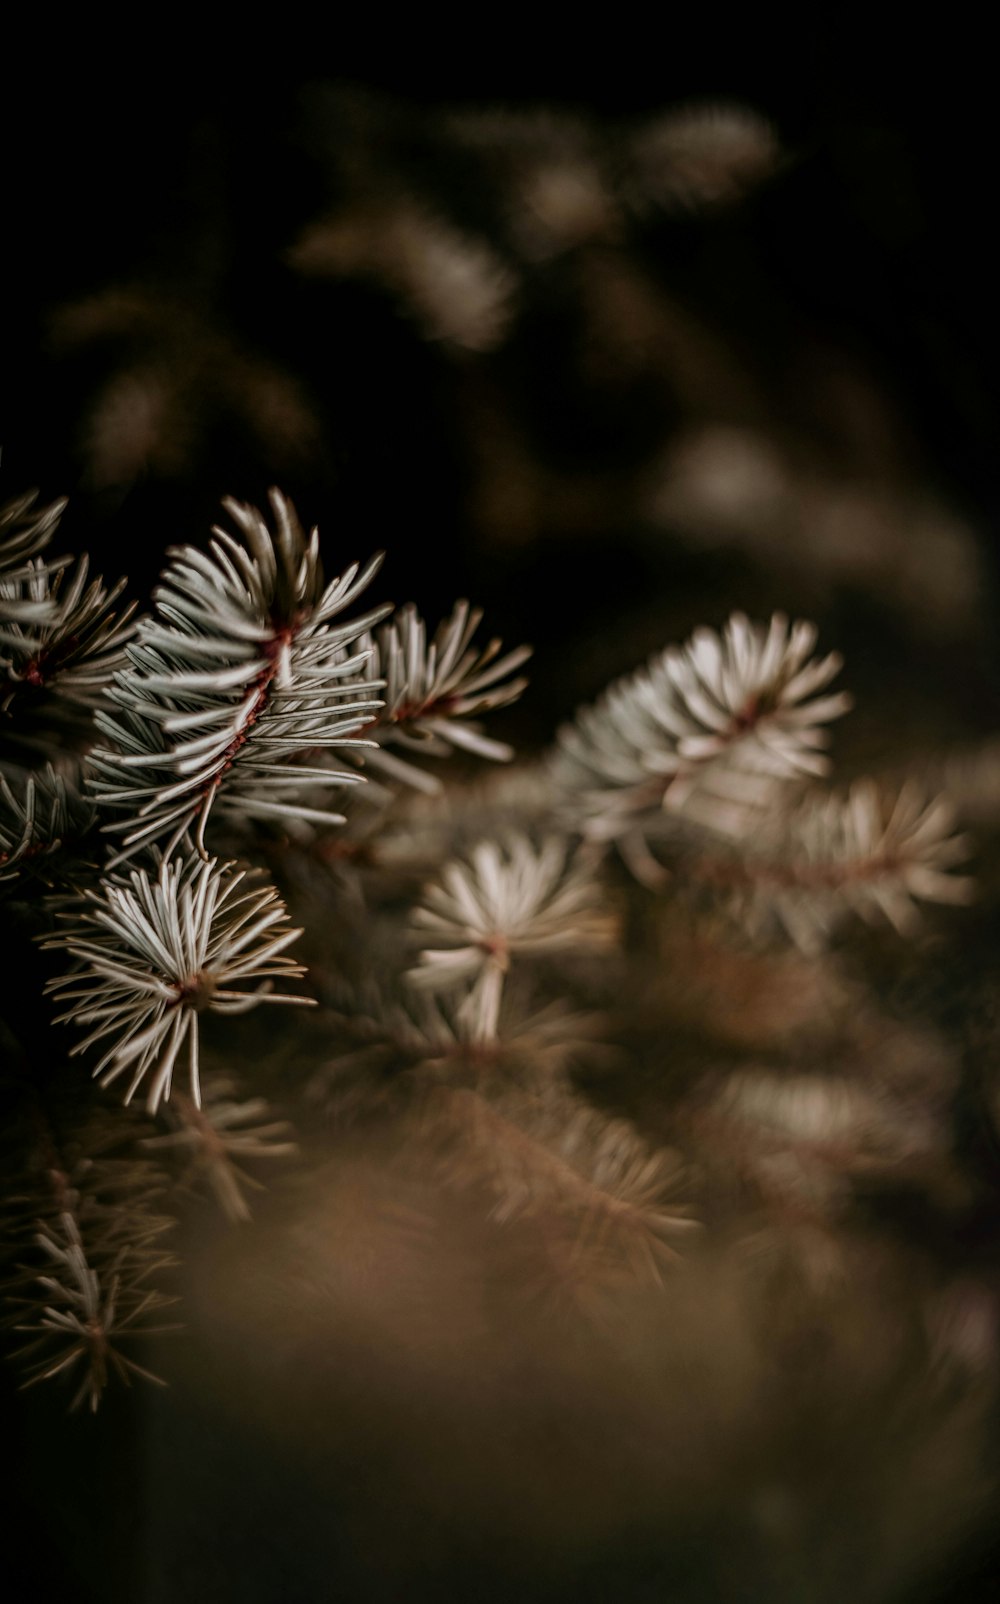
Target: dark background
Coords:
[(880, 232)]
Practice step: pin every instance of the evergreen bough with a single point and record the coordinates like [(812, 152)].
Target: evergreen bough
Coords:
[(148, 762)]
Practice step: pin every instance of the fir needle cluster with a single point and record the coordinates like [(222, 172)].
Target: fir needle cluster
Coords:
[(622, 1199), (67, 634), (39, 813), (153, 954), (239, 670), (219, 1136), (26, 531), (830, 856), (512, 899), (711, 729), (432, 687), (85, 1316), (86, 1234)]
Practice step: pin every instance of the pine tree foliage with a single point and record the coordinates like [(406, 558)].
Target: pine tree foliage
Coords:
[(626, 1127), (39, 813), (615, 1200), (71, 637), (512, 900), (391, 1046), (711, 728), (796, 1139), (219, 1137), (85, 1235), (178, 368), (702, 157), (462, 959), (153, 954), (60, 639), (25, 531), (239, 669), (457, 288), (432, 687), (558, 182), (86, 1315), (865, 853)]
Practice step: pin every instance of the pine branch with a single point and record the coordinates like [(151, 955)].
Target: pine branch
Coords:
[(63, 636), (712, 729), (556, 174), (389, 1044), (227, 706), (86, 1315), (152, 955), (25, 532), (39, 814), (539, 1154), (170, 369), (700, 157), (559, 183), (239, 671), (219, 1137), (87, 1241), (460, 291), (833, 855), (510, 899), (432, 688), (798, 1143)]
